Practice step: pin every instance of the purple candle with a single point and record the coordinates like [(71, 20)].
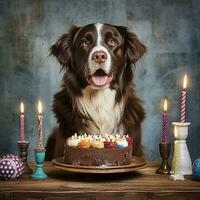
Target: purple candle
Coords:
[(164, 123), (22, 122), (183, 99)]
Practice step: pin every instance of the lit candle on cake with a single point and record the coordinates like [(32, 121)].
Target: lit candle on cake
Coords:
[(183, 99), (22, 122), (164, 123), (40, 136)]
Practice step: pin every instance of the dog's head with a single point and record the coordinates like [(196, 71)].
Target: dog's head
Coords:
[(97, 55)]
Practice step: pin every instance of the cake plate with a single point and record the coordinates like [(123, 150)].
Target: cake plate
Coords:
[(136, 163)]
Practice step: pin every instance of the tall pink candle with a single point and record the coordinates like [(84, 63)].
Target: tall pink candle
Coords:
[(183, 100), (164, 123), (22, 122), (40, 134)]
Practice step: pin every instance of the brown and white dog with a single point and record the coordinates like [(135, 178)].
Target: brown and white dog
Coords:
[(97, 95)]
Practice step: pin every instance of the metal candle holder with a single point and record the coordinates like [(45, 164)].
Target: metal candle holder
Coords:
[(23, 153), (164, 153), (181, 162), (39, 171)]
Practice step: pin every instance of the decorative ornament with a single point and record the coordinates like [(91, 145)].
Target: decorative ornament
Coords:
[(196, 169), (11, 167)]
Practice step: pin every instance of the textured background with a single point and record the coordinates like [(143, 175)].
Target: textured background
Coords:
[(169, 28)]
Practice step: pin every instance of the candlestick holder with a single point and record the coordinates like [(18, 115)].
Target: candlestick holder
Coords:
[(39, 171), (181, 162), (164, 153), (23, 153)]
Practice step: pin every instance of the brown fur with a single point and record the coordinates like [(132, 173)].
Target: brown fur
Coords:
[(68, 117)]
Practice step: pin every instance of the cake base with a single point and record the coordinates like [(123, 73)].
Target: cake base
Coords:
[(136, 163), (97, 157)]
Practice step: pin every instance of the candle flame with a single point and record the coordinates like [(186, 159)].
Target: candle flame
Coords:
[(39, 107), (175, 131), (185, 81), (22, 107), (165, 105)]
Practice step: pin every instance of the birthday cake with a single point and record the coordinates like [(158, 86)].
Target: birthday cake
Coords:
[(98, 150)]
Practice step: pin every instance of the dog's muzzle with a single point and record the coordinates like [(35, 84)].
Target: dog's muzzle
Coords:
[(100, 78)]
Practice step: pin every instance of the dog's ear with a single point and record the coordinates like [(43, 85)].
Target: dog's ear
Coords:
[(62, 49), (135, 49)]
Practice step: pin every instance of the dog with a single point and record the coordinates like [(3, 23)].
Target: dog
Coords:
[(98, 93)]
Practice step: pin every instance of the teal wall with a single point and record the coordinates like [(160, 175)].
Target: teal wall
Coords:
[(169, 28)]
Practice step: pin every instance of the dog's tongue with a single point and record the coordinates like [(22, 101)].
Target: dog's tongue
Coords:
[(99, 80)]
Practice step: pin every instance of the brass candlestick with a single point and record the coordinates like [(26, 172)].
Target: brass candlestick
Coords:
[(164, 153), (23, 153)]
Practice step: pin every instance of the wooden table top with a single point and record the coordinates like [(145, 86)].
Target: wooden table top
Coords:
[(142, 184)]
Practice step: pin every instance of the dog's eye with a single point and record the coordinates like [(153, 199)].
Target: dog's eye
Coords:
[(85, 44), (112, 42)]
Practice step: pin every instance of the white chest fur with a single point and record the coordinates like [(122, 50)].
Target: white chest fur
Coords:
[(99, 106)]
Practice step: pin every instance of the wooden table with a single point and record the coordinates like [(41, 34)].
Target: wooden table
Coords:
[(143, 184)]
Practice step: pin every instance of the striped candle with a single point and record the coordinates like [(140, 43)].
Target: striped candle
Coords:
[(183, 100), (164, 123), (40, 135)]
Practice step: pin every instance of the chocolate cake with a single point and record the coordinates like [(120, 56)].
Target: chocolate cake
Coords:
[(98, 150)]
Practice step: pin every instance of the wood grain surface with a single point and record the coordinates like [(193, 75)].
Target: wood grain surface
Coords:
[(143, 184)]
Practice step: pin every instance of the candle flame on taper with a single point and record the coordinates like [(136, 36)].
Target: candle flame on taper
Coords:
[(22, 107), (39, 107), (165, 105), (185, 81)]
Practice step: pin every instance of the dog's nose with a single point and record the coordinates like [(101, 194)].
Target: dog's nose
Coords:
[(99, 57)]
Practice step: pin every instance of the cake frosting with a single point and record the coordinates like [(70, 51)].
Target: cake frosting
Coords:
[(97, 150)]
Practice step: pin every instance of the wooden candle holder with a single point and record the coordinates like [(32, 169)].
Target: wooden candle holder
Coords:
[(164, 153), (23, 153)]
